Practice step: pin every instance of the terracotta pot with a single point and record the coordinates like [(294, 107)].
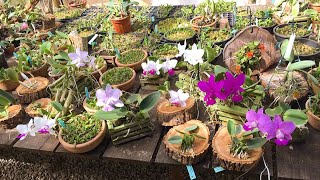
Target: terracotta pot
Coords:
[(315, 88), (121, 25), (15, 117), (220, 145), (315, 7), (137, 65), (313, 120), (74, 4), (8, 85), (84, 147), (88, 109), (44, 103), (96, 74), (124, 86), (197, 28)]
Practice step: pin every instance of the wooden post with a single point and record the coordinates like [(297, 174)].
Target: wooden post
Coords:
[(78, 41)]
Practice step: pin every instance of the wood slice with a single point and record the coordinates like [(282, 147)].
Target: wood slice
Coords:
[(220, 145), (172, 115), (28, 95), (269, 57), (44, 104), (200, 146), (15, 117), (273, 79)]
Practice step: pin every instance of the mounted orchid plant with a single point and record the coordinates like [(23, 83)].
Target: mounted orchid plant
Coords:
[(178, 98), (152, 69)]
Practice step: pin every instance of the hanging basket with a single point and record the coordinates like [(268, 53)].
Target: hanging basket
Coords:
[(269, 56)]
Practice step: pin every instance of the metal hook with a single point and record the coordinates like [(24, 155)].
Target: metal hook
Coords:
[(249, 12)]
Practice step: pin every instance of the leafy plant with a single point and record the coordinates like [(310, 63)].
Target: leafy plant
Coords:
[(289, 29), (268, 22), (217, 35), (131, 56), (5, 101), (120, 10), (164, 10), (165, 50), (314, 102), (170, 24), (9, 74), (188, 138), (117, 76)]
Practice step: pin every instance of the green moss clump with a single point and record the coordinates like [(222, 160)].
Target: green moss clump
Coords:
[(117, 76), (165, 50), (288, 30), (180, 34), (131, 57)]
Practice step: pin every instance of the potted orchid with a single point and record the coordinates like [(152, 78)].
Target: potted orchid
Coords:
[(126, 114), (178, 109), (156, 73), (122, 78), (10, 114), (313, 112)]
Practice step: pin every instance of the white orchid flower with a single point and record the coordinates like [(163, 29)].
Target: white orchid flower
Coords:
[(194, 56), (178, 98), (151, 67), (169, 65), (182, 48), (43, 125), (24, 130)]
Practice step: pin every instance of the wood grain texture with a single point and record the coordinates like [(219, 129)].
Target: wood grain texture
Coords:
[(8, 137), (302, 160), (32, 143)]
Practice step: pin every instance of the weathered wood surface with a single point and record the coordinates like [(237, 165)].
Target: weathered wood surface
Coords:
[(8, 137), (300, 160), (44, 142)]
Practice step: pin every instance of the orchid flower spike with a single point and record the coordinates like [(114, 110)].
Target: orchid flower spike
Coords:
[(109, 98), (178, 98)]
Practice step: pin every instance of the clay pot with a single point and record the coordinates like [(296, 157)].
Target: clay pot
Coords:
[(15, 117), (220, 145), (45, 102), (137, 65), (124, 86), (88, 109), (121, 25), (313, 120), (96, 74), (84, 147), (197, 28), (315, 88), (315, 7), (74, 4), (173, 115), (28, 95), (200, 146), (8, 85)]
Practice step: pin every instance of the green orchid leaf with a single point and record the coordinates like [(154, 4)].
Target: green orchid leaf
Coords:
[(149, 102), (301, 65), (238, 129), (165, 87), (231, 126), (295, 9), (296, 116), (175, 140), (219, 69), (191, 128), (133, 98), (248, 133), (284, 106), (256, 142), (313, 79), (310, 12), (61, 34), (181, 64), (198, 136), (4, 101), (62, 55), (12, 74), (283, 50), (275, 111), (111, 115), (211, 53), (56, 105), (8, 96)]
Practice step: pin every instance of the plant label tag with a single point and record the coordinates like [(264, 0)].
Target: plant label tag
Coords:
[(15, 55), (50, 34), (192, 175), (290, 46), (152, 18), (87, 92), (29, 59), (117, 52), (156, 28), (218, 169), (257, 24), (93, 38), (61, 122), (309, 28)]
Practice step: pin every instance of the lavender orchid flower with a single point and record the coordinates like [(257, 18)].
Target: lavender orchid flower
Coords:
[(194, 56), (178, 98), (109, 98), (258, 120), (79, 58), (151, 68), (24, 130), (169, 65)]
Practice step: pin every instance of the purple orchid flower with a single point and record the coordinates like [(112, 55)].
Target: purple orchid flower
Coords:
[(79, 58), (109, 98), (234, 85), (282, 131), (24, 26)]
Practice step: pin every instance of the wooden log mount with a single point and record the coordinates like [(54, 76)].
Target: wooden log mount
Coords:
[(78, 41), (37, 90), (221, 151), (15, 117), (172, 115), (200, 146), (152, 83), (42, 103)]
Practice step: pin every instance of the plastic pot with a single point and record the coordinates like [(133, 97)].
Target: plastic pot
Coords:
[(281, 37), (311, 43)]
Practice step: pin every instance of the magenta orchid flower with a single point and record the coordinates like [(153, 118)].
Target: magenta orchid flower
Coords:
[(109, 98), (255, 119), (223, 89), (151, 68), (169, 65), (24, 26), (282, 131), (178, 98), (24, 130)]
